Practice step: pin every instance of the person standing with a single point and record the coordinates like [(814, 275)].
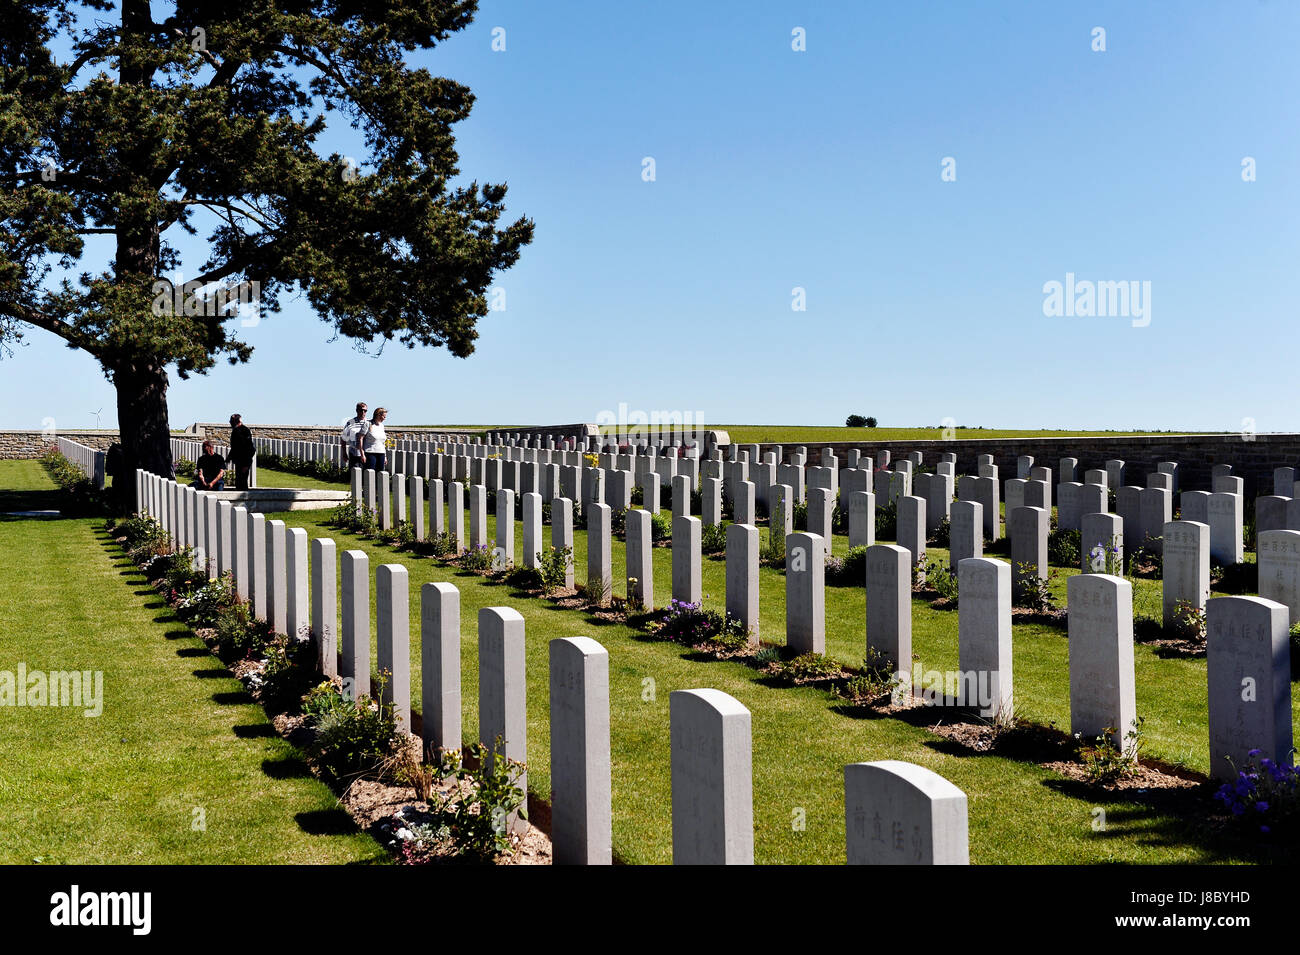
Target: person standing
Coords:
[(353, 430), (209, 470), (241, 451), (374, 441)]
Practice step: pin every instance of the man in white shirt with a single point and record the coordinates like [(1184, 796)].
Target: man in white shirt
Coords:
[(353, 431)]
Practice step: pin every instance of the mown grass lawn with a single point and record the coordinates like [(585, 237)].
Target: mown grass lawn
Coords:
[(181, 767), (1019, 812)]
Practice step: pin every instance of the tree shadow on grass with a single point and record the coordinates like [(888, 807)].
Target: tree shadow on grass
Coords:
[(193, 652), (1168, 818), (326, 822), (254, 731), (233, 698), (291, 767)]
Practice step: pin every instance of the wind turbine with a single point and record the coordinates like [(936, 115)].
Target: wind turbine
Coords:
[(96, 414)]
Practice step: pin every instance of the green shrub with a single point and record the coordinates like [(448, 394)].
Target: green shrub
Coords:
[(478, 825), (886, 520), (943, 534), (1063, 547), (477, 558), (848, 571), (553, 566), (875, 683), (942, 579), (661, 526), (691, 625), (324, 698), (239, 634), (1105, 762), (713, 539), (353, 739), (1032, 592), (288, 673), (205, 606), (805, 668), (1188, 622)]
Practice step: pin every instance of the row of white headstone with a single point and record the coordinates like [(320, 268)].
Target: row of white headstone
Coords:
[(1102, 677), (895, 812), (90, 460)]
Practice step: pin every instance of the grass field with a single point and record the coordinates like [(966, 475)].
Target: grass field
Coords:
[(1019, 812), (181, 767)]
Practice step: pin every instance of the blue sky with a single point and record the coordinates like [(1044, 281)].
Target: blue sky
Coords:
[(820, 169)]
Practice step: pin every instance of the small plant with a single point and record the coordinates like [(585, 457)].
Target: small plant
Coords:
[(713, 539), (478, 823), (239, 634), (1063, 547), (887, 520), (661, 526), (324, 698), (919, 568), (553, 564), (876, 683), (691, 625), (598, 589), (478, 559), (805, 668), (1032, 592), (439, 545), (354, 739), (1265, 796), (849, 571), (287, 673), (1106, 762), (1145, 559), (943, 580), (205, 607), (942, 534), (1188, 622)]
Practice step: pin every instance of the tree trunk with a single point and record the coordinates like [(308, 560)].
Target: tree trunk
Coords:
[(142, 421)]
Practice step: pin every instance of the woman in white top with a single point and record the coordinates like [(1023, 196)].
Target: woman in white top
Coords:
[(373, 440)]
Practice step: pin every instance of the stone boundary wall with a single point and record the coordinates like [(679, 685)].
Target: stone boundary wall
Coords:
[(32, 444), (1196, 454), (326, 433)]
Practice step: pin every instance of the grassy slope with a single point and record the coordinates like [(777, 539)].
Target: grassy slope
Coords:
[(176, 733), (1019, 812)]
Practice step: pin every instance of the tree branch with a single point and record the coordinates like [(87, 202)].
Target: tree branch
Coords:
[(38, 318)]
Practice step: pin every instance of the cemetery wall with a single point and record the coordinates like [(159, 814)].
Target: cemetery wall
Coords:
[(32, 444)]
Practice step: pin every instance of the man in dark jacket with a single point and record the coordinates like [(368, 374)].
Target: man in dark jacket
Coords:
[(241, 451)]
